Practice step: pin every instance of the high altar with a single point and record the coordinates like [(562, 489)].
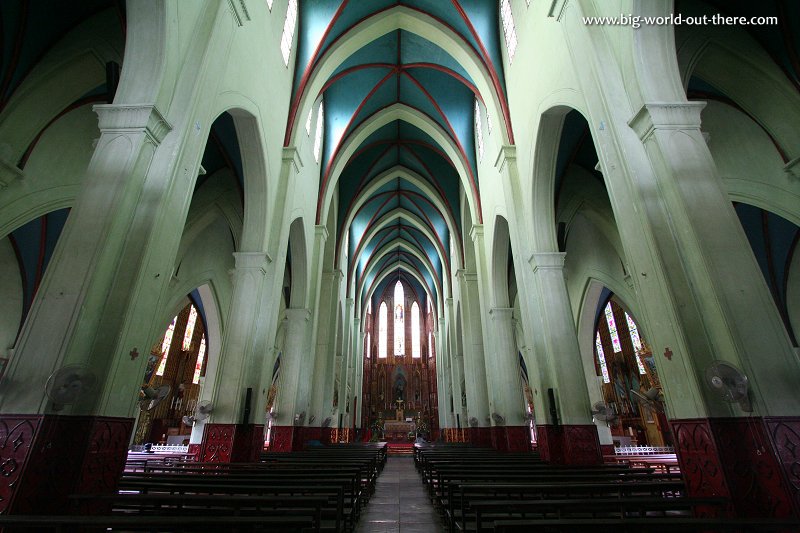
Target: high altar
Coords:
[(398, 429)]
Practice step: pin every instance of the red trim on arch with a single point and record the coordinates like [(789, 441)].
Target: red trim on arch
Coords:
[(351, 70), (454, 137), (449, 72), (73, 106), (312, 63), (492, 71), (329, 166)]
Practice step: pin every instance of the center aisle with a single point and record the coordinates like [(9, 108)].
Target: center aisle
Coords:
[(400, 503)]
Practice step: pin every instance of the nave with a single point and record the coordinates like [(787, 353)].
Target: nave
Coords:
[(231, 228)]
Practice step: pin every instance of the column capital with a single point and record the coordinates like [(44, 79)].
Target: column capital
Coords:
[(321, 232), (247, 260), (793, 167), (335, 275), (476, 232), (449, 302), (9, 172), (547, 260), (350, 302), (291, 156), (500, 313), (466, 275), (238, 10), (507, 154), (133, 118), (666, 116), (298, 314)]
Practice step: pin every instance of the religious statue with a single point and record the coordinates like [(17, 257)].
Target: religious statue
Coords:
[(400, 388)]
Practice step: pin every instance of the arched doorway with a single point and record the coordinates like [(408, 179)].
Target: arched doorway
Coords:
[(631, 388), (171, 383)]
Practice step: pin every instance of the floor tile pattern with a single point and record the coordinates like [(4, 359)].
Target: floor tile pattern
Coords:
[(400, 503)]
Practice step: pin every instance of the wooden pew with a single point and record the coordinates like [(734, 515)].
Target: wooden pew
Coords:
[(343, 516), (648, 525), (173, 524), (206, 505), (485, 512), (461, 494)]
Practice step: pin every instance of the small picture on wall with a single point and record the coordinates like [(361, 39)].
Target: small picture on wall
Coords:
[(153, 360)]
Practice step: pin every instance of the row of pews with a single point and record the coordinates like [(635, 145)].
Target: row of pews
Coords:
[(321, 489), (481, 490)]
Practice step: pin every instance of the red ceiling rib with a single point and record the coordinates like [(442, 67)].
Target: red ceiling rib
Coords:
[(490, 67), (454, 137), (329, 166), (312, 63)]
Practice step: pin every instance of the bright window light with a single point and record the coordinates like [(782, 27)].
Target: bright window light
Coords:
[(509, 30), (288, 31)]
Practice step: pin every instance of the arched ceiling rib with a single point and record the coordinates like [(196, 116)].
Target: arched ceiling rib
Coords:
[(399, 130)]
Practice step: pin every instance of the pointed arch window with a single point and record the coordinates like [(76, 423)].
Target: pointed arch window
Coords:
[(287, 36), (318, 133), (430, 345), (383, 320), (308, 121), (415, 334), (187, 336), (636, 341), (165, 345), (509, 30), (399, 320), (478, 131), (601, 357), (198, 366), (368, 347), (612, 329)]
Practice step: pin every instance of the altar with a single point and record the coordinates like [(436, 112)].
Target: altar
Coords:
[(398, 429)]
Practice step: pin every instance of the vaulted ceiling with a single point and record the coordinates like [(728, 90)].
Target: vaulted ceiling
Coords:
[(399, 190)]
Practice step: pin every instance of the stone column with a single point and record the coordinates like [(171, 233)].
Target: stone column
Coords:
[(454, 366), (572, 438), (473, 359), (291, 405), (358, 388), (69, 448), (506, 404), (724, 311), (444, 389), (231, 436), (325, 359)]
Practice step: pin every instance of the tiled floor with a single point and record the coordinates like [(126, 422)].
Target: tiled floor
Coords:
[(400, 503)]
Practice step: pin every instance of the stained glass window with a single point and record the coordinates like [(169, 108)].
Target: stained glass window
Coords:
[(430, 345), (399, 320), (187, 336), (636, 341), (198, 366), (288, 31), (382, 330), (478, 131), (415, 336), (368, 347), (612, 328), (165, 344), (601, 356), (509, 30), (318, 133)]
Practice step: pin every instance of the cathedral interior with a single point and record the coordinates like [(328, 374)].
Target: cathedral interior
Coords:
[(231, 227)]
